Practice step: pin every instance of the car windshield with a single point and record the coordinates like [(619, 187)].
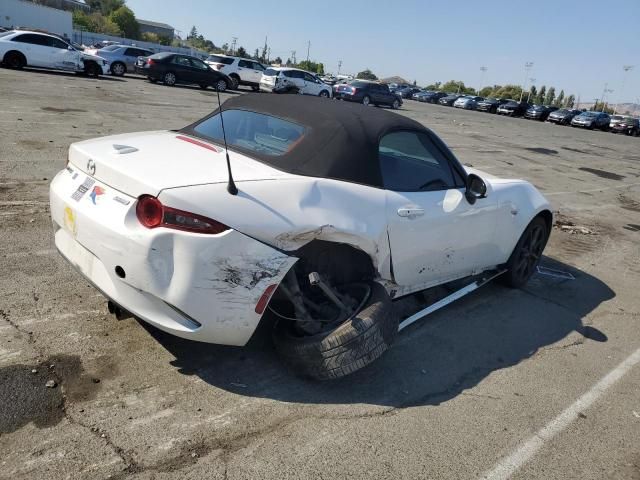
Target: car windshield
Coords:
[(589, 114), (358, 84), (270, 72), (617, 117), (110, 48), (253, 131)]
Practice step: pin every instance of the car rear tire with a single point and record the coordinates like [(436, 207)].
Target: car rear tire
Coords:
[(235, 82), (526, 255), (169, 79), (396, 104), (352, 345), (118, 69), (15, 60), (221, 85), (366, 100)]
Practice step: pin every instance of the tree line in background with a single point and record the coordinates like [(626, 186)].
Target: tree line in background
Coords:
[(113, 17)]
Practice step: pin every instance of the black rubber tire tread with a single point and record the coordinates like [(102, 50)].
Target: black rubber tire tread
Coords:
[(14, 59), (351, 346), (507, 278)]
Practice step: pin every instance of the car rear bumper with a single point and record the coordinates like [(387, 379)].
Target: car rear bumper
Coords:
[(199, 287)]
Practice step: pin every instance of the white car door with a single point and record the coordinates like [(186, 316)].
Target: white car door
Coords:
[(63, 56), (435, 234), (311, 85), (258, 69)]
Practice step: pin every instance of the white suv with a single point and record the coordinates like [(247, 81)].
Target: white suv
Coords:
[(242, 71), (21, 48), (293, 80)]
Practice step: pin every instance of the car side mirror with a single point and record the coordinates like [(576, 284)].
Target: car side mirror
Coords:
[(70, 48), (475, 189)]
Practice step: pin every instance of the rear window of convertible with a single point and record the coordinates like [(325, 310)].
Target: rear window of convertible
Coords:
[(252, 131)]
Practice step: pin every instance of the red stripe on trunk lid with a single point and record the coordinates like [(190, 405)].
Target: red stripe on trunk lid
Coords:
[(197, 142)]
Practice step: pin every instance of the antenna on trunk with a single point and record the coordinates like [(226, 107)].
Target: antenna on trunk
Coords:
[(231, 186)]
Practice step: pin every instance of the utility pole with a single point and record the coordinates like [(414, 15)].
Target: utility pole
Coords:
[(339, 66), (269, 55), (308, 47), (293, 57), (604, 93), (233, 45), (626, 69), (527, 67), (483, 69), (532, 80)]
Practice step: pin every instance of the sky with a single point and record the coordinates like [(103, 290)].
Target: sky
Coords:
[(575, 45)]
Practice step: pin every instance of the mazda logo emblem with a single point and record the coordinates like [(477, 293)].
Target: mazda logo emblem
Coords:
[(91, 167)]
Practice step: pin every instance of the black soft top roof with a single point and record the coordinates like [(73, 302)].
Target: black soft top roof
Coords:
[(341, 141)]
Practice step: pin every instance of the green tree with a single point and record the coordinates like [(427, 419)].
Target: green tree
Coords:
[(193, 33), (265, 49), (486, 92), (433, 86), (456, 86), (225, 48), (570, 102), (560, 100), (542, 93), (367, 75), (155, 38), (126, 21), (278, 60), (95, 22), (242, 53), (312, 67), (533, 93), (105, 7), (256, 54), (507, 91), (551, 96)]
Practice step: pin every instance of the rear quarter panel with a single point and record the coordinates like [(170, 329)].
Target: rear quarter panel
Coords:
[(289, 213)]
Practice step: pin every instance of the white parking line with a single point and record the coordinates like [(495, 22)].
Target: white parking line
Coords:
[(521, 455)]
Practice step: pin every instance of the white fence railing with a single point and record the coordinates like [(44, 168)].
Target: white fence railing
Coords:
[(91, 38)]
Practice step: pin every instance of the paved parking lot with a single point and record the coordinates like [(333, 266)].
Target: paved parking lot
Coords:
[(539, 383)]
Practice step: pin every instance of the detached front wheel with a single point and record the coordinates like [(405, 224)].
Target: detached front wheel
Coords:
[(343, 347)]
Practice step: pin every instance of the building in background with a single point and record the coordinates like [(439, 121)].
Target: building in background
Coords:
[(30, 15), (70, 5), (160, 29)]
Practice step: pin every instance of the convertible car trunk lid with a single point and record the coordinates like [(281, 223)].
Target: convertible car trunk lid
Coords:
[(147, 163)]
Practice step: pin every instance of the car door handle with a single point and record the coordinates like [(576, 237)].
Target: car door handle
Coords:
[(410, 212)]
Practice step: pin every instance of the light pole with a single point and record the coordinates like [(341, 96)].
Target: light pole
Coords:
[(626, 69), (339, 66), (532, 80), (483, 69), (527, 67), (604, 93)]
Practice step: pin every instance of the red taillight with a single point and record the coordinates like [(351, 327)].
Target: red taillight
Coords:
[(151, 214), (150, 61), (149, 211), (354, 90)]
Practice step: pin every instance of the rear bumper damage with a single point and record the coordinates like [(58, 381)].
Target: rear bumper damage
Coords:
[(209, 288)]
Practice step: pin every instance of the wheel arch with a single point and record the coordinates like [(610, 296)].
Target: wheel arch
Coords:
[(14, 52)]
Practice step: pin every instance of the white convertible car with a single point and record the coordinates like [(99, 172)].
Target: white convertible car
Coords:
[(333, 210)]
